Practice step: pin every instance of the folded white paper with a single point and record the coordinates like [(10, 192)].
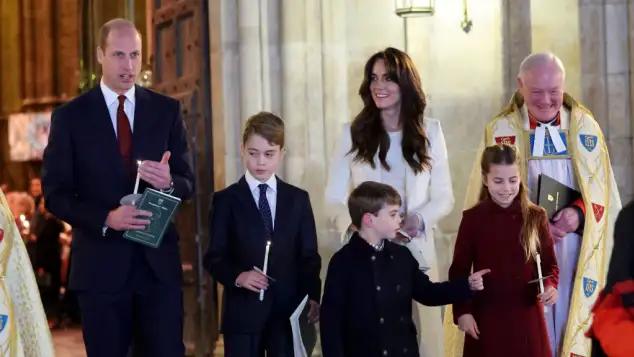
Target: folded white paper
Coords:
[(417, 253), (298, 343)]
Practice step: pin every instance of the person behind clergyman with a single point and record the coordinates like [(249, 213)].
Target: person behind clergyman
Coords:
[(391, 141), (504, 232), (371, 281), (35, 190), (48, 263), (259, 209), (612, 328)]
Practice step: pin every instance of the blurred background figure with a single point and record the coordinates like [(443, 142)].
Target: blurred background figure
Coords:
[(35, 189), (22, 207), (48, 263), (612, 327)]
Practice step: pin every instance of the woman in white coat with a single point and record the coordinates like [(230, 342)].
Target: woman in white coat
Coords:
[(390, 141)]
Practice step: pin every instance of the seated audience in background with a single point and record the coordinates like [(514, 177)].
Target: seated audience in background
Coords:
[(48, 263)]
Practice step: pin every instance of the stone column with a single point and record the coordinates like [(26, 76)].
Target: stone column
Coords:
[(593, 60), (516, 40), (298, 80), (606, 81), (250, 67), (618, 97), (630, 18), (335, 84), (556, 28), (229, 69), (315, 98), (417, 34), (259, 56)]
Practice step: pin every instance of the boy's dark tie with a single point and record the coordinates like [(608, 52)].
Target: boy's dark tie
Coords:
[(265, 209)]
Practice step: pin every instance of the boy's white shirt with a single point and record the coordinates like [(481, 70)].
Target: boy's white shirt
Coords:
[(271, 191)]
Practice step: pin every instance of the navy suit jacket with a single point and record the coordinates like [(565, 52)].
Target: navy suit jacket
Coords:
[(83, 179), (238, 243)]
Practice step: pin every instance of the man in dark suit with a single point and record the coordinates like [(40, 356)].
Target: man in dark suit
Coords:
[(125, 290), (261, 208)]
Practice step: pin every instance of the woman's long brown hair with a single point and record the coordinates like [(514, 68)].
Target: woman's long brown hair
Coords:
[(504, 154), (367, 131)]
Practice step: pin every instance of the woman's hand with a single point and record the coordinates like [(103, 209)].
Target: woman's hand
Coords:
[(549, 297), (411, 225), (468, 324)]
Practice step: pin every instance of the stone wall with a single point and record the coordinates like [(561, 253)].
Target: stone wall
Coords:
[(606, 60)]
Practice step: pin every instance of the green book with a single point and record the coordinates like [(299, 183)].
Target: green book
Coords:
[(163, 207)]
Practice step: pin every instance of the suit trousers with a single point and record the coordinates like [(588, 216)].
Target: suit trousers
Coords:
[(145, 312), (276, 340)]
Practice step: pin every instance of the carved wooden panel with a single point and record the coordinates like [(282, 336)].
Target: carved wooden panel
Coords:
[(44, 51), (50, 52), (38, 67), (67, 49), (10, 58), (181, 50), (28, 51)]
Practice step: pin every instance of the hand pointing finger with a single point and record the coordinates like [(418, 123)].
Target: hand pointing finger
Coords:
[(481, 272)]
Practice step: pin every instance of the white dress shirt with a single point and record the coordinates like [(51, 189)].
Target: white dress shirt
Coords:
[(271, 191), (112, 101), (271, 196)]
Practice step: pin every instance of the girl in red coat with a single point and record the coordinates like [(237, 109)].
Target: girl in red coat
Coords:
[(505, 232)]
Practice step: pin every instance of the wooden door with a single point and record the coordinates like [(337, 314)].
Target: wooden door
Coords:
[(180, 49)]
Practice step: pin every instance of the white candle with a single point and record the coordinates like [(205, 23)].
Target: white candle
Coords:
[(539, 273), (266, 263), (538, 260), (136, 184)]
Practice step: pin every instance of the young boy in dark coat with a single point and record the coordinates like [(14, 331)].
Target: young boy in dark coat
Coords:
[(263, 222), (367, 303)]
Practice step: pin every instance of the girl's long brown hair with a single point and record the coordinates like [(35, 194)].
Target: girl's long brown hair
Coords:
[(504, 154), (367, 131)]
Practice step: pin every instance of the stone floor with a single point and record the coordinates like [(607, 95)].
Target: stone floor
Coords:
[(69, 343)]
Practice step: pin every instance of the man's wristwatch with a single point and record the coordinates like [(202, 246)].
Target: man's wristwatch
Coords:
[(169, 190)]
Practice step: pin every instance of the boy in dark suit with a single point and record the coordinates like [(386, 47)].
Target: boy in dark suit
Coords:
[(257, 210), (367, 303)]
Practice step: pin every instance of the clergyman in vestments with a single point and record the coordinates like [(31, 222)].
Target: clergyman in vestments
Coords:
[(558, 137), (24, 328)]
